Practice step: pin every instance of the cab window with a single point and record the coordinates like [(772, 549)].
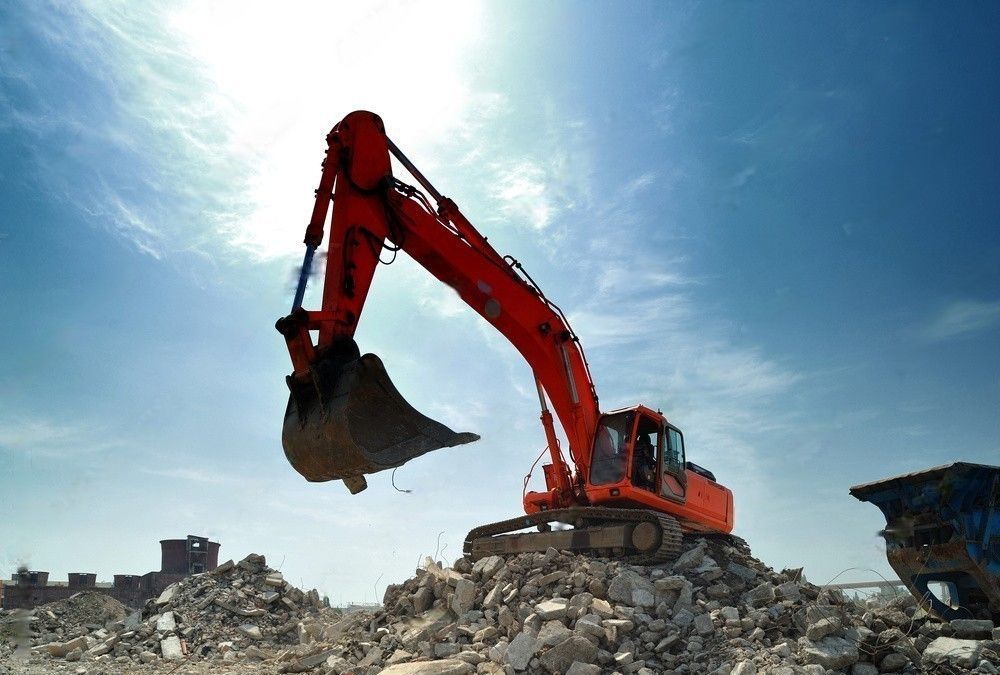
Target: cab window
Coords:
[(646, 453), (610, 457), (673, 479), (674, 457)]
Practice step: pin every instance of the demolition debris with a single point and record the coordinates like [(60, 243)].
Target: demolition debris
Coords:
[(715, 609)]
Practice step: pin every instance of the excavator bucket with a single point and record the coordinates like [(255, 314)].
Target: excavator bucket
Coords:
[(349, 420)]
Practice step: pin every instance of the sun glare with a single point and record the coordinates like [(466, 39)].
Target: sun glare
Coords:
[(284, 74)]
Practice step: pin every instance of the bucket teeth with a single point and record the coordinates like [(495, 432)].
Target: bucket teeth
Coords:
[(349, 420)]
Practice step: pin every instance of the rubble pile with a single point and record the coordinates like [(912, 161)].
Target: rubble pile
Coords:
[(244, 606), (77, 615), (714, 610)]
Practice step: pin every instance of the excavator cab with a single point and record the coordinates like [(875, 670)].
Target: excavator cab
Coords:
[(347, 419), (638, 461), (642, 448)]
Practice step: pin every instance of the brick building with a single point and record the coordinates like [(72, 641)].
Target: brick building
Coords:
[(178, 559)]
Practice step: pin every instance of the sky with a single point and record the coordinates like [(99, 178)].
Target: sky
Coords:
[(777, 222)]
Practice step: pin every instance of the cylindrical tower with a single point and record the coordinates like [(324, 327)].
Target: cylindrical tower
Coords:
[(192, 555), (82, 580)]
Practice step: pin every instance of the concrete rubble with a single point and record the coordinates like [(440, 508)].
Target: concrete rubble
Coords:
[(716, 610)]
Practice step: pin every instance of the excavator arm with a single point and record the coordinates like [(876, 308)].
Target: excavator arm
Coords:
[(330, 431)]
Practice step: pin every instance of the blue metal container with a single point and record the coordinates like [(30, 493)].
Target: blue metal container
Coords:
[(943, 525)]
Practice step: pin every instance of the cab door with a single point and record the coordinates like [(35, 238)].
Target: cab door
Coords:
[(673, 477)]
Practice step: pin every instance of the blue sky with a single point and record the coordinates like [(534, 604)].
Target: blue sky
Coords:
[(775, 221)]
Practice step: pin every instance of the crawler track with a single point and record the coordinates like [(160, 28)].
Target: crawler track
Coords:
[(593, 526)]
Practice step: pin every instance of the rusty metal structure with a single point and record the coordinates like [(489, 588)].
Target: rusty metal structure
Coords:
[(943, 526)]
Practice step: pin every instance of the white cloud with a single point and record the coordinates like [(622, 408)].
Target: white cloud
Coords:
[(36, 436), (961, 318), (227, 105), (742, 177), (189, 475), (524, 196), (640, 183)]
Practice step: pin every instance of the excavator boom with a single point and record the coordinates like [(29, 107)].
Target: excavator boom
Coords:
[(344, 418)]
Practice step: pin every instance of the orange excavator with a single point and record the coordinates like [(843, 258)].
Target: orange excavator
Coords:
[(630, 494)]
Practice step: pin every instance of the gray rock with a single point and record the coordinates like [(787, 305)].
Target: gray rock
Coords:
[(493, 597), (718, 591), (833, 653), (133, 620), (789, 591), (813, 613), (580, 668), (703, 624), (625, 584), (730, 613), (166, 622), (170, 648), (552, 609), (464, 597), (683, 618), (486, 634), (443, 667), (562, 656), (168, 594), (741, 571), (61, 649), (685, 597), (443, 649), (590, 624), (822, 628), (552, 633), (689, 559), (602, 608), (472, 658), (423, 598), (893, 662), (667, 642), (223, 568), (101, 649), (642, 597), (621, 625), (521, 650), (978, 629), (864, 669), (313, 660), (761, 595), (251, 630), (744, 668), (558, 575), (488, 566), (952, 651), (672, 583)]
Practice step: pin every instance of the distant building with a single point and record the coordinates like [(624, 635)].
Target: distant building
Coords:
[(178, 558)]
